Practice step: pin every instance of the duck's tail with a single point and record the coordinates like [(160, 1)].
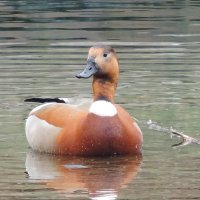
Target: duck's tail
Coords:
[(47, 100)]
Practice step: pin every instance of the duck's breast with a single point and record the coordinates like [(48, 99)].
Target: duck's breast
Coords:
[(100, 135)]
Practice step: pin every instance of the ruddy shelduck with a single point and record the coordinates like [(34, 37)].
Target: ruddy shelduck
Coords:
[(101, 128)]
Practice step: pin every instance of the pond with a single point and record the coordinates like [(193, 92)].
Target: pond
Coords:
[(45, 43)]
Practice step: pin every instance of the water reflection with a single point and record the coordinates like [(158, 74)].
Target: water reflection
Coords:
[(96, 177)]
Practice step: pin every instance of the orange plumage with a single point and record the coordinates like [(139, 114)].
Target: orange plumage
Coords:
[(97, 129)]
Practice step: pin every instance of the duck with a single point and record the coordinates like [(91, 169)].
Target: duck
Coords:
[(98, 128)]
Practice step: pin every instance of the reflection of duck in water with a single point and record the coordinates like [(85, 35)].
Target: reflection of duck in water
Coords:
[(100, 178), (97, 129)]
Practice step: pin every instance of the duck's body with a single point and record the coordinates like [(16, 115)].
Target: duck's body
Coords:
[(96, 129)]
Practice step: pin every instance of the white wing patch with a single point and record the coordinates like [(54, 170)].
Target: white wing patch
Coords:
[(41, 135), (66, 100), (103, 108)]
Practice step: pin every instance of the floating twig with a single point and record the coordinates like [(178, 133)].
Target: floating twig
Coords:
[(185, 139)]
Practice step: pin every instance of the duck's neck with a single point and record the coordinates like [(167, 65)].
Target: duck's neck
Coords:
[(104, 89)]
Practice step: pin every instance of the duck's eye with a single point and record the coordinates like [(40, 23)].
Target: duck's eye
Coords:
[(105, 55)]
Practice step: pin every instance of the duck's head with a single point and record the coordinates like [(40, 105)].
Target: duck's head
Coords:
[(102, 63)]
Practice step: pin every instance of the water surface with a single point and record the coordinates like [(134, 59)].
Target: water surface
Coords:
[(45, 43)]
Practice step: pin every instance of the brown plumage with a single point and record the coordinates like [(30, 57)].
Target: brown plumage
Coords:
[(87, 133)]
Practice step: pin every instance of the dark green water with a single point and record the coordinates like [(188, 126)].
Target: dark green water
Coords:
[(43, 44)]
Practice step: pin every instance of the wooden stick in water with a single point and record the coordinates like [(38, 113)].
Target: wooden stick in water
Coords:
[(185, 139)]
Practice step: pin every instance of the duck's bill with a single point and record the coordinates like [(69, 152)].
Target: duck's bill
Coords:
[(89, 70)]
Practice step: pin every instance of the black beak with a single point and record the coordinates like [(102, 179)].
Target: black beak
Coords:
[(89, 70)]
